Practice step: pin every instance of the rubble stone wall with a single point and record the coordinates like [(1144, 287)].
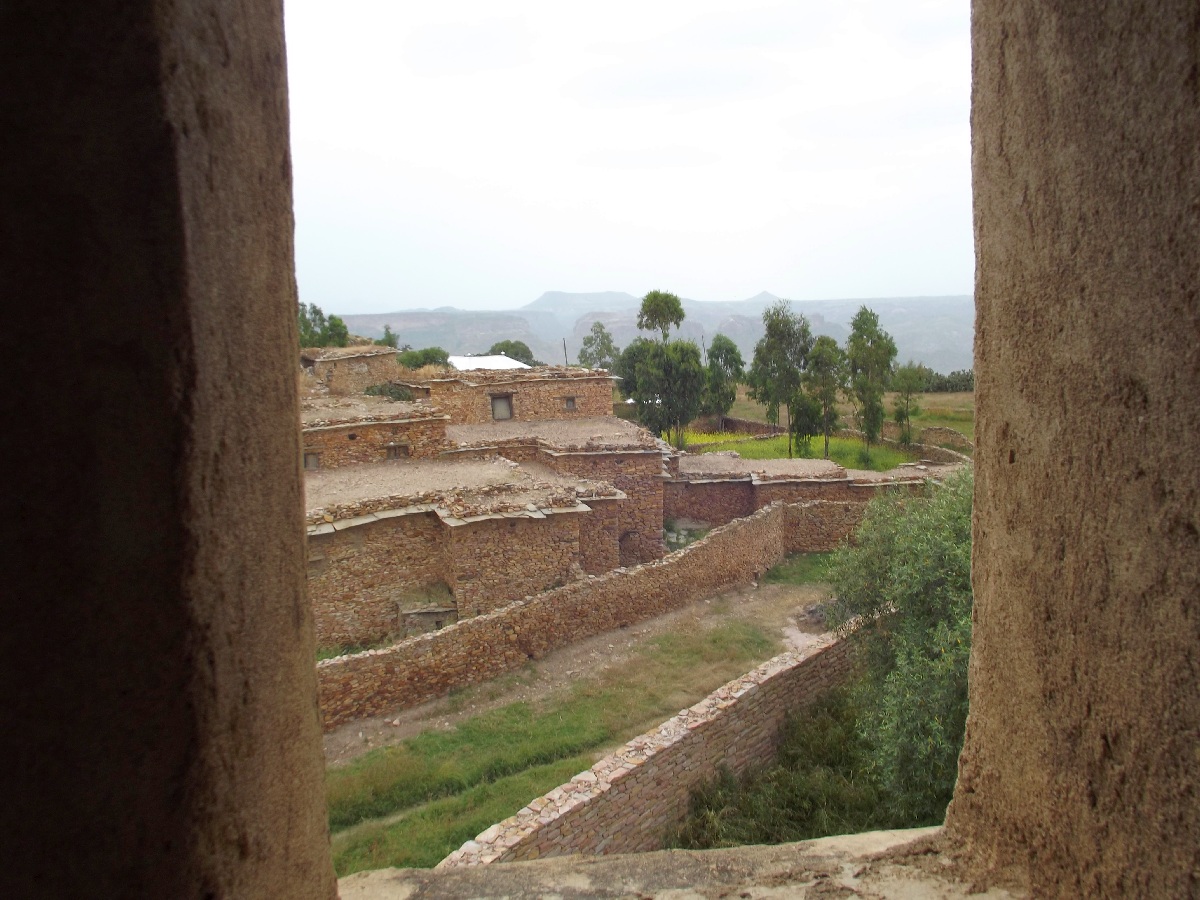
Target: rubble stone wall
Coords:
[(822, 526), (599, 534), (480, 648), (715, 502), (533, 399), (626, 802), (358, 578), (495, 561), (354, 374), (639, 475), (367, 442)]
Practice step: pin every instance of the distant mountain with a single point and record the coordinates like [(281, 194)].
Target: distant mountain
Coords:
[(938, 331)]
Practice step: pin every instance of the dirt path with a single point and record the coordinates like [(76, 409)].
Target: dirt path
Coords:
[(787, 610)]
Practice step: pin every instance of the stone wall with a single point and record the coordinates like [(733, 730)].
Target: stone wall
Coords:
[(495, 561), (361, 579), (535, 397), (366, 442), (639, 475), (354, 374), (626, 802), (477, 649), (599, 535), (715, 501)]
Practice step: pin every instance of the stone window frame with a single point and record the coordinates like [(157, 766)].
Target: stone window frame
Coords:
[(570, 404), (512, 413), (314, 457), (398, 451)]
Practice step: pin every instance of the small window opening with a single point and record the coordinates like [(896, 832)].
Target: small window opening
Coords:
[(502, 407), (569, 403), (437, 624), (312, 462), (397, 451), (353, 437)]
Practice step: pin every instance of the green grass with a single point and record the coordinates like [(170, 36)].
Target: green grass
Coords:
[(845, 452), (424, 836), (799, 568), (498, 748)]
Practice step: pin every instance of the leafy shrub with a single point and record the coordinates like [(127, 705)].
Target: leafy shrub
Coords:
[(428, 356), (907, 586), (389, 390)]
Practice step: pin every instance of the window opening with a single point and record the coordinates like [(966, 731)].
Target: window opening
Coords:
[(312, 461), (502, 407)]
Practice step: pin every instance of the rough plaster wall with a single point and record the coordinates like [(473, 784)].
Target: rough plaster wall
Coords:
[(160, 715), (1081, 764)]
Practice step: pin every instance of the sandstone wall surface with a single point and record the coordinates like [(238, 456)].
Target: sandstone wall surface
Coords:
[(354, 374), (367, 442), (626, 802), (534, 398), (480, 648), (361, 579), (1080, 767)]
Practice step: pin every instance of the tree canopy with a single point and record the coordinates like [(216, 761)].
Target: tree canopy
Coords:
[(725, 369), (906, 586), (598, 350), (318, 331), (870, 354), (668, 386), (429, 356), (780, 358), (824, 380), (517, 350), (660, 310), (908, 382), (389, 338)]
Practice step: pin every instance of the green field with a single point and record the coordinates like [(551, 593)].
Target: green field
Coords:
[(846, 452), (413, 803)]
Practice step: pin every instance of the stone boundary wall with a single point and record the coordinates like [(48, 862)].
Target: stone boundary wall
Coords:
[(736, 426), (473, 650), (368, 442), (626, 802)]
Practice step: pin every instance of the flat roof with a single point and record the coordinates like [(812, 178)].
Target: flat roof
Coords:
[(326, 353), (728, 462), (464, 487), (328, 410), (487, 362), (598, 432)]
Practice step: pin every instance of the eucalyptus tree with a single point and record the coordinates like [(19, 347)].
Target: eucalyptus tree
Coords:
[(724, 371), (870, 355), (780, 359), (824, 380), (660, 310)]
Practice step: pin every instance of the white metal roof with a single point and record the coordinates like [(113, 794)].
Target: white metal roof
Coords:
[(462, 363)]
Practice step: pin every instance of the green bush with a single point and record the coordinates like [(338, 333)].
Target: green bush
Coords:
[(906, 585), (389, 390)]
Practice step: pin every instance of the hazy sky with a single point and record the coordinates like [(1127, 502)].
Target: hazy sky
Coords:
[(476, 154)]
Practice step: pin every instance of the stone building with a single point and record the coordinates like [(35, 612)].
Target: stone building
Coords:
[(350, 370), (519, 395), (160, 692), (355, 430)]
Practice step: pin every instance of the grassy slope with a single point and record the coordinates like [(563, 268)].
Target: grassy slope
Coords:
[(413, 803)]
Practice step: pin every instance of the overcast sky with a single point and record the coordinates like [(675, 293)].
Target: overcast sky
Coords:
[(476, 154)]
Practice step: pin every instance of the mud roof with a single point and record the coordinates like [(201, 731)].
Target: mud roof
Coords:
[(322, 411), (597, 433), (345, 352), (456, 490)]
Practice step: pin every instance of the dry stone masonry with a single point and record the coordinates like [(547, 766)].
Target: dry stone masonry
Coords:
[(629, 800)]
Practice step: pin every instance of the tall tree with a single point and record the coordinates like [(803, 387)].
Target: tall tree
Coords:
[(725, 369), (660, 310), (598, 350), (517, 350), (780, 358), (389, 338), (908, 382), (870, 354), (627, 364), (824, 380), (669, 385), (318, 331)]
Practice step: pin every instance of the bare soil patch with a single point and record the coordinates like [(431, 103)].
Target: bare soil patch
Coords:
[(791, 611)]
